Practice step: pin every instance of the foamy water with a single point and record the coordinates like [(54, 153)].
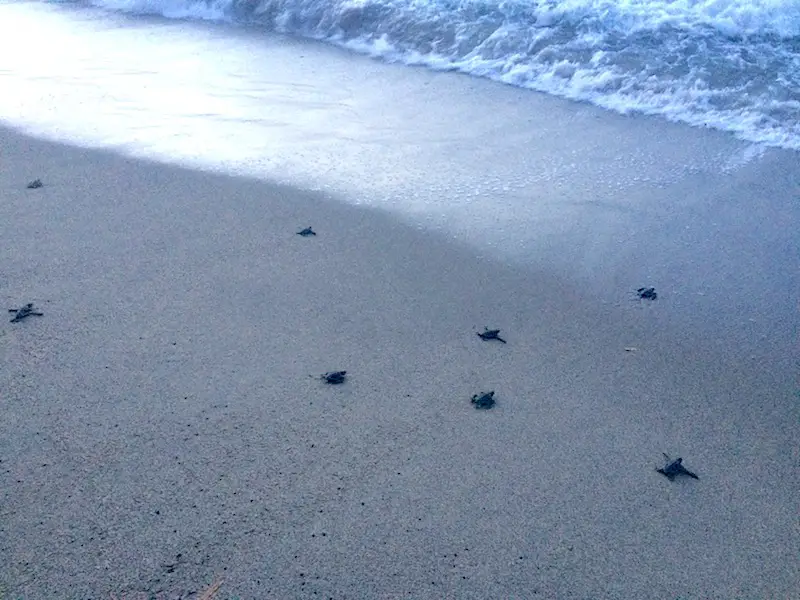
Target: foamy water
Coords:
[(237, 100), (467, 156), (611, 200), (729, 64)]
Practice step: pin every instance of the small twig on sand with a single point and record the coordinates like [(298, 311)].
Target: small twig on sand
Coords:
[(211, 591)]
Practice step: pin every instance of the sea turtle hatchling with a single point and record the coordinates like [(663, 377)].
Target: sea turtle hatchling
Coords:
[(307, 232), (35, 184), (334, 377), (490, 334), (646, 293), (674, 468), (484, 401), (24, 311)]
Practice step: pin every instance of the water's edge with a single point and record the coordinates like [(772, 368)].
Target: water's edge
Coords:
[(732, 65), (616, 201)]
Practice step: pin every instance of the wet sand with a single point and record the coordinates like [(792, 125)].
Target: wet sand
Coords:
[(162, 429)]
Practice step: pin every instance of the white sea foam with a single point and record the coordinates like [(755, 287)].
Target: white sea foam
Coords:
[(213, 10), (730, 17), (728, 64)]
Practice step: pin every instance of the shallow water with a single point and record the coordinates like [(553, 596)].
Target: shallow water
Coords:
[(729, 64)]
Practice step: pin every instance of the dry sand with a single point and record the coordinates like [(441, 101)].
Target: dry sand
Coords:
[(160, 430)]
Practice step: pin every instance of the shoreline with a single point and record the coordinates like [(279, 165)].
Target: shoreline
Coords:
[(162, 406), (611, 202)]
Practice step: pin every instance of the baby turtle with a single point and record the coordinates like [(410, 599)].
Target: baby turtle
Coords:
[(23, 312), (674, 468), (490, 334), (35, 184), (334, 377), (646, 293), (484, 401), (307, 232)]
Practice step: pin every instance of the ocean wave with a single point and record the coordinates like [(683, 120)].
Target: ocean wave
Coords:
[(729, 64)]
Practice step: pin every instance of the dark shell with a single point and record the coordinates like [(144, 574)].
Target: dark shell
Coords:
[(24, 311), (484, 401), (491, 334), (647, 293), (334, 377), (674, 468)]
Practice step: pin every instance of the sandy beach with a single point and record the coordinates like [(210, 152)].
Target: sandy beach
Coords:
[(163, 427)]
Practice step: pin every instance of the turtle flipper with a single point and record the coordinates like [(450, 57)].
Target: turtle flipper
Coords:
[(686, 471), (669, 476), (501, 339)]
